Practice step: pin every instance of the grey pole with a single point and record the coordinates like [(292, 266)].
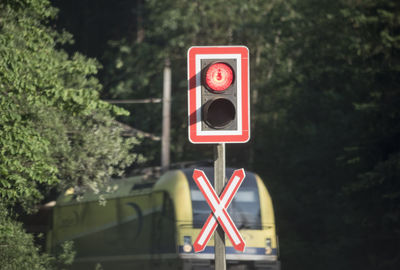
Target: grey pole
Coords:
[(219, 182), (166, 117)]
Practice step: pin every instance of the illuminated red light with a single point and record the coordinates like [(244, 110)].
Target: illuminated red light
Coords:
[(219, 76)]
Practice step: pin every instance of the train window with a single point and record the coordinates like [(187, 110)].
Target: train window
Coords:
[(196, 195), (245, 196), (244, 208)]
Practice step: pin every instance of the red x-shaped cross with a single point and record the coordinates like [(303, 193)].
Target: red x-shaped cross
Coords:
[(218, 206)]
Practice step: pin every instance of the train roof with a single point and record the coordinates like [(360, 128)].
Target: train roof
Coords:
[(116, 188), (142, 184)]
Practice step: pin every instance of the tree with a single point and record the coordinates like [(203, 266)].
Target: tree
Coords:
[(55, 132), (18, 250), (331, 138), (54, 126)]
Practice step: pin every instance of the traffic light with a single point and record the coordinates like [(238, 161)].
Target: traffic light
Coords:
[(219, 93), (218, 96)]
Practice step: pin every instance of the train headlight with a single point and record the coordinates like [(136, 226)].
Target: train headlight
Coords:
[(268, 248), (187, 244)]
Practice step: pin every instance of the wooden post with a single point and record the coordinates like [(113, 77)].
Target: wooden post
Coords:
[(219, 183)]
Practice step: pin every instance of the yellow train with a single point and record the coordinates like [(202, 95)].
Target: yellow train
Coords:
[(152, 224)]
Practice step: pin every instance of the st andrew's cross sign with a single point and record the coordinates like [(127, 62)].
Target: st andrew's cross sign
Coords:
[(219, 207)]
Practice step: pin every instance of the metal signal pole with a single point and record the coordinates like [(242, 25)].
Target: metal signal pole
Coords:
[(219, 183)]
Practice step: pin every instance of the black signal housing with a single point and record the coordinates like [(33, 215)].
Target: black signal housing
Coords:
[(219, 94)]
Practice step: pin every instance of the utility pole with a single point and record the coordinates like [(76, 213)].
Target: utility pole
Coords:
[(166, 117)]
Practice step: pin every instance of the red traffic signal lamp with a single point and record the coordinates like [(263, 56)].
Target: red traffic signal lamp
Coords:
[(218, 76), (219, 109), (218, 97)]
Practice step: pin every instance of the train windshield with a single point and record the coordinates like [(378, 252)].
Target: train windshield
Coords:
[(244, 208)]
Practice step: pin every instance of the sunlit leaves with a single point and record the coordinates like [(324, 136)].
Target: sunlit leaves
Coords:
[(54, 130)]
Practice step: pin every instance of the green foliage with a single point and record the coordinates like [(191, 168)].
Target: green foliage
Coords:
[(54, 129), (18, 251), (53, 126), (84, 163), (333, 134)]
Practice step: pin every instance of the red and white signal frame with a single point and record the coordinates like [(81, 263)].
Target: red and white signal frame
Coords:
[(195, 131)]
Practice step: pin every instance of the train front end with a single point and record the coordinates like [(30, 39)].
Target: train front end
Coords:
[(251, 211)]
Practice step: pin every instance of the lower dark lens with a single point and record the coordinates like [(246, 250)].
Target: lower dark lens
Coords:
[(219, 112)]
